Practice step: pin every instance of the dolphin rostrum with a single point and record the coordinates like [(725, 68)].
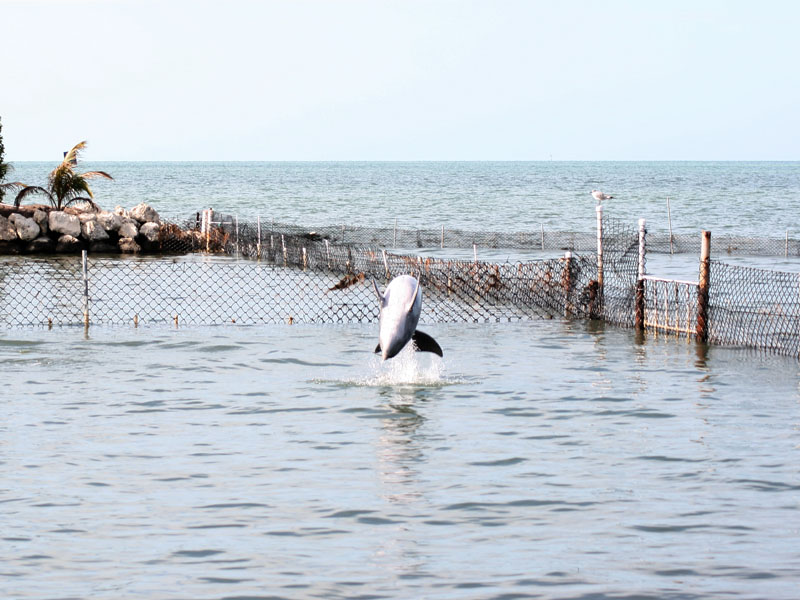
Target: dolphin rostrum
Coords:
[(401, 305)]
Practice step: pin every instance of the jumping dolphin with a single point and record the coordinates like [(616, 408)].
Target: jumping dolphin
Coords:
[(400, 309)]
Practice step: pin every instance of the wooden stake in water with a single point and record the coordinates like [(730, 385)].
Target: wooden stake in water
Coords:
[(386, 265), (328, 252), (285, 253), (669, 221), (305, 259), (475, 252), (236, 220), (640, 289), (703, 288), (258, 245), (599, 210), (85, 268), (566, 282)]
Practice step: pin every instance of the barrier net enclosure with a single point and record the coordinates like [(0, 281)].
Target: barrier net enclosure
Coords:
[(755, 308), (303, 277), (290, 275)]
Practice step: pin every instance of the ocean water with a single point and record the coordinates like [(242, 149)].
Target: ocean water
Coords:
[(547, 459), (759, 198)]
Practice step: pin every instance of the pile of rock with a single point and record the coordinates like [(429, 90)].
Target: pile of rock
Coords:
[(40, 229)]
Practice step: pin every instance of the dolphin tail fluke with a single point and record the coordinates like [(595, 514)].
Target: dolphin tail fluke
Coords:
[(424, 343)]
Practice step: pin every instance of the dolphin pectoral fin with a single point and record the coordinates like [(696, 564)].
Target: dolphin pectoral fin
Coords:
[(378, 349), (425, 343)]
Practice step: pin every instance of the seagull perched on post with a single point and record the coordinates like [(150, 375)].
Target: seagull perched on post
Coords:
[(600, 196)]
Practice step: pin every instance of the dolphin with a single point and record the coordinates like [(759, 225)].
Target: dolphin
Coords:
[(401, 305)]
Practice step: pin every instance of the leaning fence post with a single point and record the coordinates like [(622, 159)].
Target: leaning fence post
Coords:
[(703, 286), (85, 269), (475, 252), (386, 265), (639, 311)]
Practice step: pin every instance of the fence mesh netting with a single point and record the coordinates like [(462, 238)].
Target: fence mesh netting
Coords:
[(279, 274)]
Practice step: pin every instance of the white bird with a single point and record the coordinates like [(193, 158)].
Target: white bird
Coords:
[(600, 196)]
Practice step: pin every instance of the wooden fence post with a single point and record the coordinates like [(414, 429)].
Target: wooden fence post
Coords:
[(566, 283), (639, 313), (597, 305), (704, 283)]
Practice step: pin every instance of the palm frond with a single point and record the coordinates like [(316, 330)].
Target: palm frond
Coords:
[(93, 174), (72, 156), (32, 189)]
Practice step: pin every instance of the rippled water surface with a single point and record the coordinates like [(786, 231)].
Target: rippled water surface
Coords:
[(546, 460), (758, 198)]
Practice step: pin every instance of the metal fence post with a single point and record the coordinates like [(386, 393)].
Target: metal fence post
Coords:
[(85, 269), (704, 283), (639, 311)]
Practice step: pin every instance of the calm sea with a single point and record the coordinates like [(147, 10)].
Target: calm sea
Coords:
[(548, 459), (759, 198)]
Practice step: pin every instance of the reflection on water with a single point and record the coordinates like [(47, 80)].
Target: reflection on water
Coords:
[(544, 459)]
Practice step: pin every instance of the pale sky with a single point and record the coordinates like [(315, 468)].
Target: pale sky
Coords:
[(401, 80)]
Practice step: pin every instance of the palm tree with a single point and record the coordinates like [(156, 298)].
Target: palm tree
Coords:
[(64, 185)]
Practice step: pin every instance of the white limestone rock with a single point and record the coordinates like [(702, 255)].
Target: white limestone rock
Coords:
[(27, 229), (40, 217), (93, 232), (85, 207), (65, 224), (67, 243), (144, 213), (150, 231), (7, 230), (109, 221), (118, 210), (128, 228)]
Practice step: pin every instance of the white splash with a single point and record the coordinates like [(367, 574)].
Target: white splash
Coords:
[(408, 368)]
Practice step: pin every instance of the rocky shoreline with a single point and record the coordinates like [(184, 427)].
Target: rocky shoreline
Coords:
[(40, 229)]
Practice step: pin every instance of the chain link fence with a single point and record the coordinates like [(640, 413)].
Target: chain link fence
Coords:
[(287, 274)]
